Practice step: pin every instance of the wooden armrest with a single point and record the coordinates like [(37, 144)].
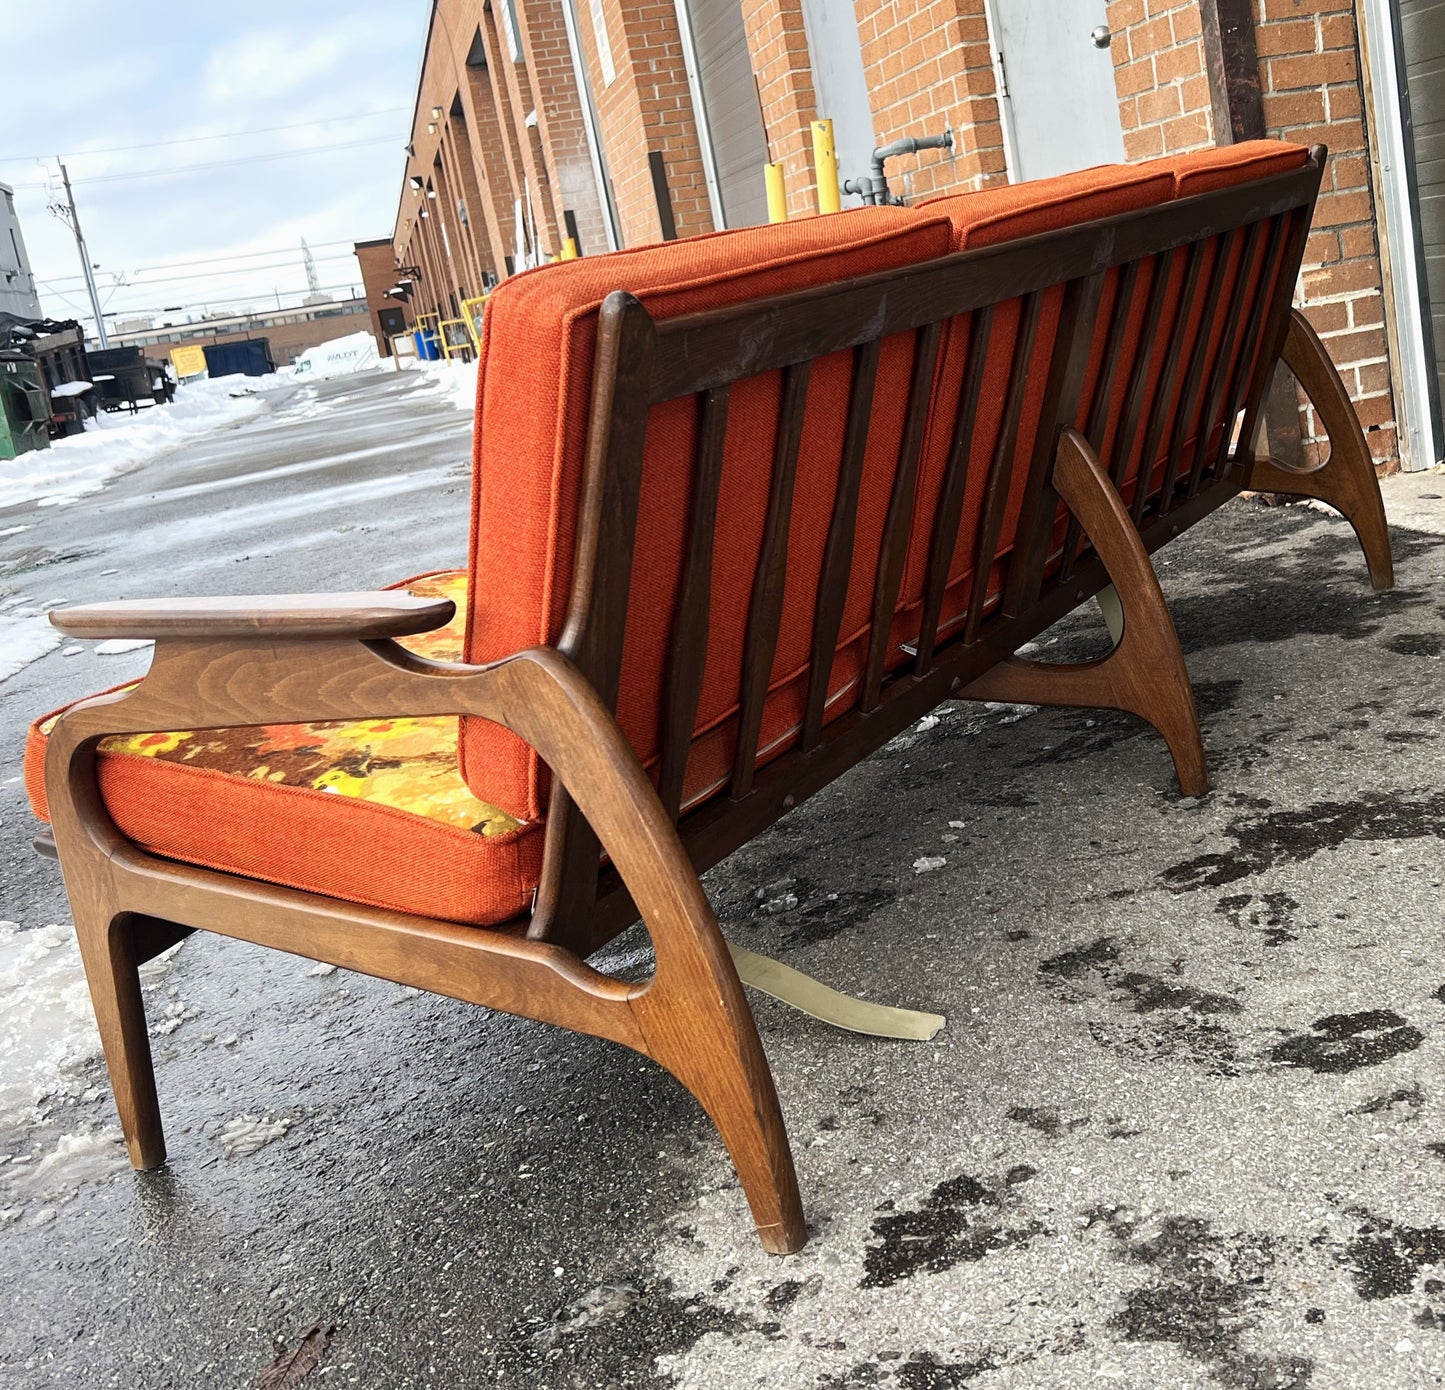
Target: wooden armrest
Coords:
[(283, 617)]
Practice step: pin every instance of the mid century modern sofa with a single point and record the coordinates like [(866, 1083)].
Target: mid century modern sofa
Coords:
[(744, 508)]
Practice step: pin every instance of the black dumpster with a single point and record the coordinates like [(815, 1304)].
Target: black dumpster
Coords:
[(124, 378), (24, 411), (249, 358)]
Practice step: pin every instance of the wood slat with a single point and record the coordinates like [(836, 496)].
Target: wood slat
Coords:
[(1001, 468), (1228, 340), (601, 580), (899, 524), (1069, 360), (1168, 378), (953, 487), (1097, 422), (765, 607), (719, 827), (1138, 390), (838, 551), (1194, 375), (690, 627), (1275, 239)]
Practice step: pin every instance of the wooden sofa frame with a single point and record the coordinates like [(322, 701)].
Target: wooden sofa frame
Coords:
[(282, 660)]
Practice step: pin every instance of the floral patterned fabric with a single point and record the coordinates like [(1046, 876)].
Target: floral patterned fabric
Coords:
[(408, 764)]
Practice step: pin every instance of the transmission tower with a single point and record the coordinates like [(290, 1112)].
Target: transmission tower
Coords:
[(312, 278)]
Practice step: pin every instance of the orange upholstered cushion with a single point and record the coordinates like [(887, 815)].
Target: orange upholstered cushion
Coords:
[(1011, 211), (371, 811), (1223, 166), (536, 371)]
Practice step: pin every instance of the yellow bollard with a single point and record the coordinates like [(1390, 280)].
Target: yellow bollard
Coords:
[(777, 192), (569, 250), (825, 167)]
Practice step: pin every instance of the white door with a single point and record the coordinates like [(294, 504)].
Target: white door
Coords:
[(1060, 110), (841, 86)]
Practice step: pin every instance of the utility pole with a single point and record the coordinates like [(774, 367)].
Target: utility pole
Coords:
[(68, 215)]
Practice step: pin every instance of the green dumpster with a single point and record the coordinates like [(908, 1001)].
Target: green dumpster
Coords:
[(24, 412)]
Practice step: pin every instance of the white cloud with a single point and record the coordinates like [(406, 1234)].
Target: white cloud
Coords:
[(265, 65)]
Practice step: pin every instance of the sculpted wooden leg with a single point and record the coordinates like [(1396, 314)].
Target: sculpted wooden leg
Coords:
[(107, 948), (1145, 673), (692, 1016), (707, 1039), (1346, 480)]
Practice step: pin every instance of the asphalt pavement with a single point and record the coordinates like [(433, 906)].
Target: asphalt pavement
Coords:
[(1185, 1126)]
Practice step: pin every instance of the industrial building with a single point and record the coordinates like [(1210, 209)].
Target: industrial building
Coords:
[(17, 281), (619, 122), (290, 332)]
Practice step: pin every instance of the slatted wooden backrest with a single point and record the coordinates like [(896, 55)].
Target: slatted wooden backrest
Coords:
[(1165, 326)]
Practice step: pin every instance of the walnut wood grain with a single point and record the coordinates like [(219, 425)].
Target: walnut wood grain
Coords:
[(304, 617), (765, 603), (1346, 480), (691, 1016), (1145, 673)]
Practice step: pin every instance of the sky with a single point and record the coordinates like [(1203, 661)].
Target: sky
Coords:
[(174, 240)]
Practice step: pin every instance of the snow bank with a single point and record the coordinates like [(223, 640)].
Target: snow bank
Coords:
[(115, 444), (457, 381), (339, 357)]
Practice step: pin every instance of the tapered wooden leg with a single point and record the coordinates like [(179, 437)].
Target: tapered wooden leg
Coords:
[(1145, 673), (107, 948), (1346, 480), (705, 1036)]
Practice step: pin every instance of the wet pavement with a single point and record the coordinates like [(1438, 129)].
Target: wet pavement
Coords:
[(1185, 1128)]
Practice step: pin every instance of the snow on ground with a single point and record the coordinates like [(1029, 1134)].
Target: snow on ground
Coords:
[(457, 381), (115, 444), (47, 1029), (23, 640)]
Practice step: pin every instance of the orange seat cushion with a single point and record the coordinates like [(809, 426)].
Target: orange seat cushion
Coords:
[(537, 355), (371, 811)]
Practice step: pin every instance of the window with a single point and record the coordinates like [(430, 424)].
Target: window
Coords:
[(509, 28)]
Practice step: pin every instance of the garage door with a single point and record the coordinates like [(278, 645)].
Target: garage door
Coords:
[(733, 125), (1422, 42)]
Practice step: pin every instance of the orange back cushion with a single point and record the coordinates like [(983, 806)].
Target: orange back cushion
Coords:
[(537, 356), (1223, 166)]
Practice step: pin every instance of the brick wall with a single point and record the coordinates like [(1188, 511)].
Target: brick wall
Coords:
[(378, 274), (560, 126), (647, 107), (1311, 92), (929, 69), (1309, 66), (1159, 72)]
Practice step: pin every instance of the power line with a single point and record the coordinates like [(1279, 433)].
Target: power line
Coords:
[(128, 311), (220, 135), (220, 163), (245, 159), (162, 280), (213, 260)]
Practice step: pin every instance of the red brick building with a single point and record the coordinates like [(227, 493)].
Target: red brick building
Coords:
[(618, 122)]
